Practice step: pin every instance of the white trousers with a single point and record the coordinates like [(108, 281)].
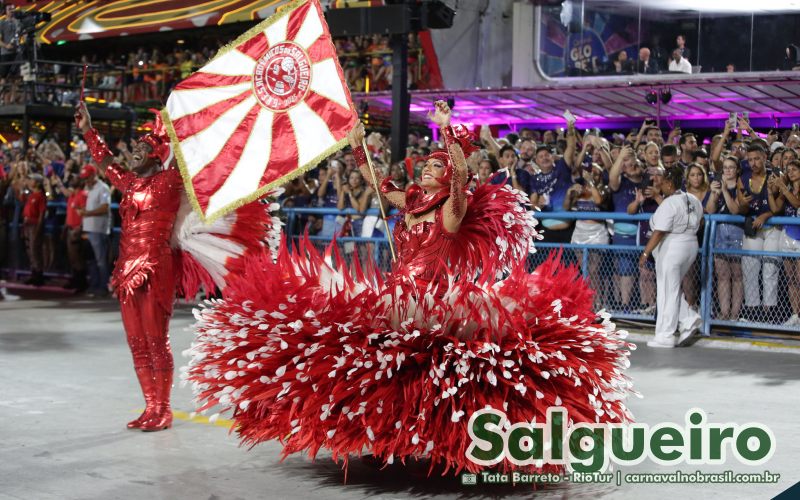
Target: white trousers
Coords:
[(673, 260), (766, 268)]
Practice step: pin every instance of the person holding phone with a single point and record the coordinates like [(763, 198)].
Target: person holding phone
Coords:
[(674, 246), (648, 199), (727, 268), (548, 187), (649, 133), (788, 200), (589, 194), (760, 274), (624, 178), (330, 181)]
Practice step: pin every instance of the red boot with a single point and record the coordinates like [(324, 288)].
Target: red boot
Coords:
[(162, 416), (148, 384)]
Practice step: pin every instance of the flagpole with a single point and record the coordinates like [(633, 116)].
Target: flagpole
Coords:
[(380, 201)]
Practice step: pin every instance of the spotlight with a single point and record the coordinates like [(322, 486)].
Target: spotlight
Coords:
[(651, 97), (666, 96)]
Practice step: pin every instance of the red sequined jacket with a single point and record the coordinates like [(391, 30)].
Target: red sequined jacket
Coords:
[(148, 209)]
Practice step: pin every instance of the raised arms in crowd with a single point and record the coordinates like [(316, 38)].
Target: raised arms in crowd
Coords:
[(716, 152), (487, 140), (615, 174)]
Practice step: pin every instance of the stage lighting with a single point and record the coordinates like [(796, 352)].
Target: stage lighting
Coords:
[(651, 97), (666, 96)]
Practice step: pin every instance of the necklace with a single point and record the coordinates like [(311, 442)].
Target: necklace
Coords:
[(750, 185)]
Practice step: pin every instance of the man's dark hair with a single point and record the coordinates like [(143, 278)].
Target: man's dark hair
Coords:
[(756, 148), (700, 153), (543, 148), (507, 147), (512, 138), (761, 142), (685, 137), (669, 150)]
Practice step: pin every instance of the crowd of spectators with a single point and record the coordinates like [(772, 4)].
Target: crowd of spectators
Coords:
[(150, 74), (367, 62), (60, 209)]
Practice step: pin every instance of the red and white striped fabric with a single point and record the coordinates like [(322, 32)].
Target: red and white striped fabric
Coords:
[(270, 105)]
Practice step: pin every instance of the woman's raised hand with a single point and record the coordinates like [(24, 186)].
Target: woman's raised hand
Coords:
[(356, 136), (441, 115)]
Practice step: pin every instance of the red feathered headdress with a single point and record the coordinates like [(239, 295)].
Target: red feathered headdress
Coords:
[(158, 140)]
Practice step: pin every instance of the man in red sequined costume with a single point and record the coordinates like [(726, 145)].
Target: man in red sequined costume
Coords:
[(144, 278)]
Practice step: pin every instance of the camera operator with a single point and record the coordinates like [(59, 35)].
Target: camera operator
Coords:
[(9, 52)]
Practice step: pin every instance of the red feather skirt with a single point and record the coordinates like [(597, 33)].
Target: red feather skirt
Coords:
[(304, 351)]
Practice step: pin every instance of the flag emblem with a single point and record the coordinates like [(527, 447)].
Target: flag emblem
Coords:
[(282, 76), (268, 107)]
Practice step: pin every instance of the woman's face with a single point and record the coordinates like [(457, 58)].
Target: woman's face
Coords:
[(640, 152), (729, 170), (777, 158), (788, 156), (793, 173), (484, 170), (695, 178), (656, 175), (355, 180), (508, 158), (431, 172), (398, 173), (651, 156)]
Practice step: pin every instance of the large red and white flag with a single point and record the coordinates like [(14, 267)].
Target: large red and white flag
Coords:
[(269, 106)]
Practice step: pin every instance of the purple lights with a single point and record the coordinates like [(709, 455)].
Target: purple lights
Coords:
[(702, 100)]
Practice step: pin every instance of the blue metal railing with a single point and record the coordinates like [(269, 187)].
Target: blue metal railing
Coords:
[(581, 254), (706, 254)]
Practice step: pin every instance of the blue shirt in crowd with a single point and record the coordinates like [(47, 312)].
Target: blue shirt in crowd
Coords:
[(621, 198), (554, 184)]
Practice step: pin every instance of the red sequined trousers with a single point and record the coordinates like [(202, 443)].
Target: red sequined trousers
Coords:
[(144, 278)]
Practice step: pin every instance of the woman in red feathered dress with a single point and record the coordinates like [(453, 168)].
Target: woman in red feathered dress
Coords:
[(316, 356)]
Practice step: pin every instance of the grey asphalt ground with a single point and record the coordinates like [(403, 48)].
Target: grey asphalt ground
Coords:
[(67, 388)]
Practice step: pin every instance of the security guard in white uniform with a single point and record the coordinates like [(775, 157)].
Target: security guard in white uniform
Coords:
[(674, 246)]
